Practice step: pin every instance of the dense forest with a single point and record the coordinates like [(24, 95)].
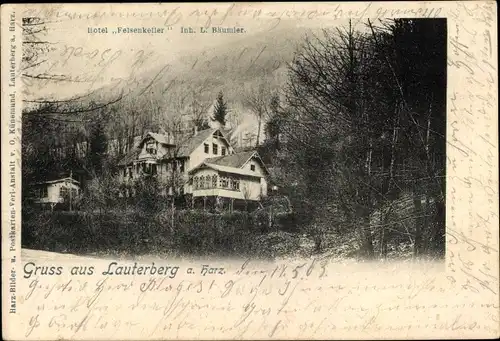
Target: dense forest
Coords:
[(352, 127)]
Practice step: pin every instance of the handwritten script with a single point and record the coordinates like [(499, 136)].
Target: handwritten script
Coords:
[(287, 299), (253, 300)]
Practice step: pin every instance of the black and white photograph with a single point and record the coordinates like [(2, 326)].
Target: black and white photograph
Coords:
[(306, 141), (243, 171)]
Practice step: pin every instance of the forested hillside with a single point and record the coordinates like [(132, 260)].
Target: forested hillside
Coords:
[(350, 120)]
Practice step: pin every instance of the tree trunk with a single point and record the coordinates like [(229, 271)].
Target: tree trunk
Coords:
[(258, 130), (437, 231), (367, 243), (383, 233), (417, 245), (172, 225), (389, 186), (367, 210)]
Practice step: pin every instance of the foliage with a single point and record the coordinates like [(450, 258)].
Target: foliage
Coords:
[(133, 231), (98, 146), (100, 194), (261, 101), (355, 141), (364, 120), (148, 194), (220, 110)]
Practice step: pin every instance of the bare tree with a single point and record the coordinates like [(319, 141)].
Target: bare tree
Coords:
[(246, 192), (258, 100), (198, 109), (35, 69)]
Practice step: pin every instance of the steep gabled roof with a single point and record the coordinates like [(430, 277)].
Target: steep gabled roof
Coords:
[(68, 179), (188, 145), (136, 150), (233, 163), (232, 160), (183, 149), (226, 169), (161, 138), (237, 160)]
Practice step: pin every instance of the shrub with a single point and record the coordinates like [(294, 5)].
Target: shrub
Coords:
[(134, 231)]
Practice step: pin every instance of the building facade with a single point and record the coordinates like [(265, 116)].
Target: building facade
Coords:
[(204, 165), (54, 192)]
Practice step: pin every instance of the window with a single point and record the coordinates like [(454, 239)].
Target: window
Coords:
[(182, 166), (174, 166), (63, 192), (154, 170), (224, 182), (215, 148), (235, 184), (147, 168), (201, 183), (43, 193), (124, 172), (214, 181), (207, 181), (151, 148), (223, 150), (206, 148), (130, 172), (252, 167), (195, 183)]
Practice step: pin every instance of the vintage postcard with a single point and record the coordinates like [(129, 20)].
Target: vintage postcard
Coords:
[(250, 171)]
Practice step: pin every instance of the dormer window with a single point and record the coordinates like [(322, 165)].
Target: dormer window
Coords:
[(151, 148), (207, 150), (215, 149)]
